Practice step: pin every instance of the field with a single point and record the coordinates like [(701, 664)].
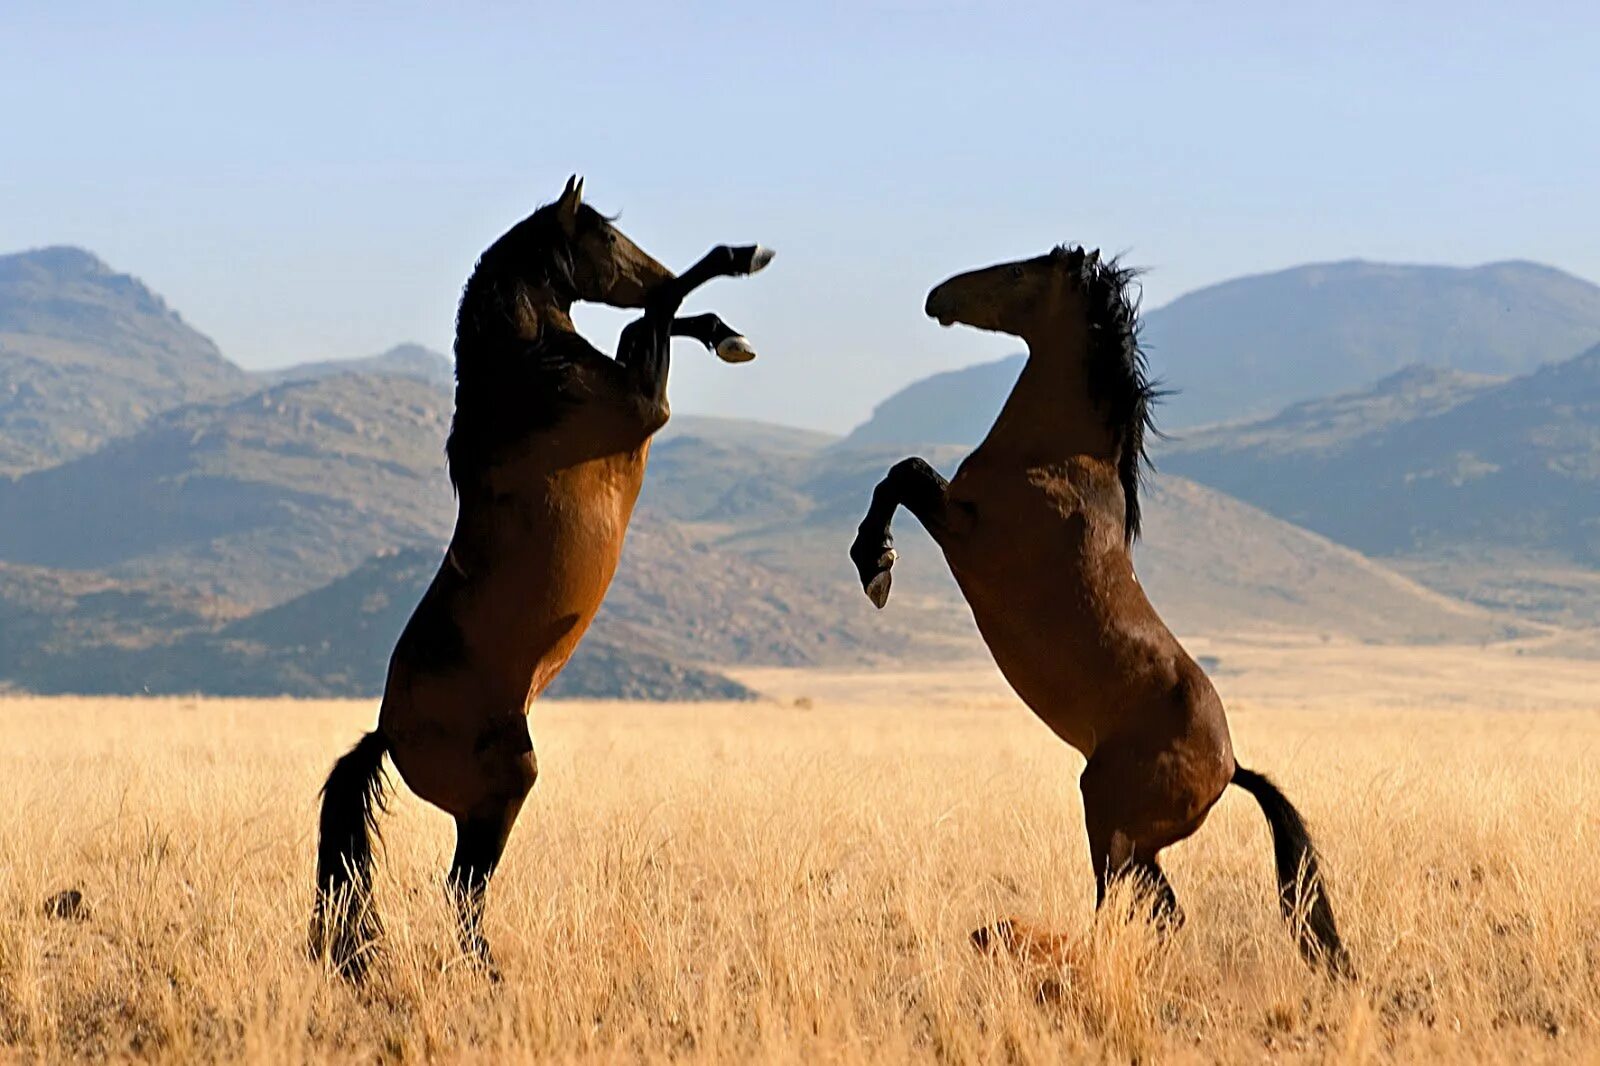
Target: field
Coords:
[(796, 880)]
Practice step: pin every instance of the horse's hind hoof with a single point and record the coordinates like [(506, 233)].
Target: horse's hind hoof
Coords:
[(735, 350)]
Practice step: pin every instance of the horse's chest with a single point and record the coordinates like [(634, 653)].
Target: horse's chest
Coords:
[(588, 509), (1011, 518)]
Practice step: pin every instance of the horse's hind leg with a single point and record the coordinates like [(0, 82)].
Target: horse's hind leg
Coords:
[(481, 834), (1150, 882), (1127, 830)]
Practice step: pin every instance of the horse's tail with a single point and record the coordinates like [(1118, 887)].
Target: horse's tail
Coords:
[(344, 924), (1301, 893)]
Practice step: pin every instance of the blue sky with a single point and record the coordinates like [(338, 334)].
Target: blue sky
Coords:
[(312, 181)]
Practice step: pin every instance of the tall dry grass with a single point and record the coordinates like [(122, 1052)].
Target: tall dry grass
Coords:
[(786, 883)]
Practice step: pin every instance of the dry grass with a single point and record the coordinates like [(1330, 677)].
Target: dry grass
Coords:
[(795, 883)]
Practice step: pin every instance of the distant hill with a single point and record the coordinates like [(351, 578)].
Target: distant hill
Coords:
[(87, 354), (83, 633), (1211, 563), (370, 607), (403, 360), (1248, 347), (273, 537), (1488, 490), (956, 407), (1434, 463), (254, 499)]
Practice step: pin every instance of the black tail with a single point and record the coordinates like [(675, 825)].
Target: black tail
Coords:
[(1301, 893), (344, 924)]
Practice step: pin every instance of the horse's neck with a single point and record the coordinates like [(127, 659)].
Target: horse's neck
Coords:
[(1049, 417), (549, 315)]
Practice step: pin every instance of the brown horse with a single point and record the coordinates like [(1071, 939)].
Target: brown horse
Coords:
[(547, 454), (1038, 526)]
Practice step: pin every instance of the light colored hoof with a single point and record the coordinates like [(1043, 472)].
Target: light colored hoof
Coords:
[(878, 587), (758, 261), (735, 350)]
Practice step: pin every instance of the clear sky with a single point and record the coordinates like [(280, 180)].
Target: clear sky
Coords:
[(313, 180)]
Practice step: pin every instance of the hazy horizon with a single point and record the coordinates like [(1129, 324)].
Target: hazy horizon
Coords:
[(304, 185)]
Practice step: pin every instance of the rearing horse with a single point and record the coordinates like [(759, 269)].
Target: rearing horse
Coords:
[(547, 454), (1037, 526)]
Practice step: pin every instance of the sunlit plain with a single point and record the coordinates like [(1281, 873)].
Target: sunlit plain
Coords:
[(796, 879)]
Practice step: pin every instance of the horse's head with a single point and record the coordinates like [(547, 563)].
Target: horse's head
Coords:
[(607, 267), (576, 253), (1018, 298)]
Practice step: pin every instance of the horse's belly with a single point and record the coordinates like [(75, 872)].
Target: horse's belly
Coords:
[(1038, 664), (1038, 619), (537, 607)]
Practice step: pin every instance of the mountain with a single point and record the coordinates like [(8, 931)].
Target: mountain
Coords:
[(87, 634), (403, 360), (254, 499), (1249, 346), (274, 536), (1211, 564), (956, 407), (1512, 464), (370, 607), (87, 354)]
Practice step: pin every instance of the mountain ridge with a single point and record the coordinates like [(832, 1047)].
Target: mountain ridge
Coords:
[(1243, 348)]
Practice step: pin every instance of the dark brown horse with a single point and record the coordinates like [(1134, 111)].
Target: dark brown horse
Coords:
[(1038, 526), (547, 453)]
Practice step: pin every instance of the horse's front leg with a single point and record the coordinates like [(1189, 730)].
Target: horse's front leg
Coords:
[(730, 345), (645, 352), (914, 485), (722, 261), (644, 348)]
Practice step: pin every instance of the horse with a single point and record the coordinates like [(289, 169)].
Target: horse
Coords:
[(547, 453), (1038, 527)]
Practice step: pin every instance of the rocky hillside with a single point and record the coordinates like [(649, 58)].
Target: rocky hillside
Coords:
[(254, 499), (273, 534), (69, 632), (1424, 462), (403, 360), (87, 354)]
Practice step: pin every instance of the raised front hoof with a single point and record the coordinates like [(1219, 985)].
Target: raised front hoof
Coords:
[(751, 258), (735, 350), (874, 566)]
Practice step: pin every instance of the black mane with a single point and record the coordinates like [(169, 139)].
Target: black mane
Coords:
[(501, 391), (1119, 380)]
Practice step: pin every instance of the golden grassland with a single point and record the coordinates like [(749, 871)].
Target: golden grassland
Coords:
[(795, 880)]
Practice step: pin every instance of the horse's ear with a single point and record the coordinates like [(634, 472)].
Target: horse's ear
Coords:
[(1092, 259), (567, 206)]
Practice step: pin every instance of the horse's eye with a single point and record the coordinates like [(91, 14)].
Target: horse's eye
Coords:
[(1017, 272)]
